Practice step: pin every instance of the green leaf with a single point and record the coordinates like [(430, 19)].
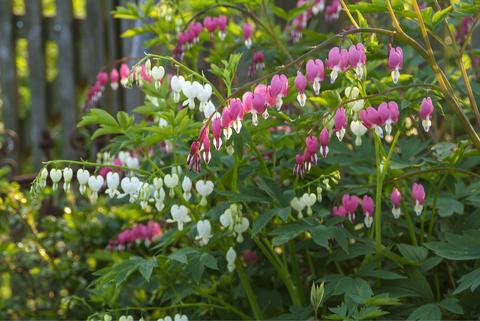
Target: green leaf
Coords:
[(426, 312), (146, 267), (457, 247), (181, 255), (440, 15), (415, 253), (451, 304), (262, 221), (447, 205), (470, 280)]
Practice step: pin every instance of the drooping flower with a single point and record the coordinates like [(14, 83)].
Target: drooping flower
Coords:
[(340, 123), (55, 176), (357, 58), (309, 200), (171, 181), (231, 257), (124, 74), (67, 178), (82, 178), (350, 203), (315, 74), (217, 130), (187, 188), (95, 183), (221, 24), (426, 111), (113, 181), (395, 62), (247, 34), (337, 62), (318, 6), (114, 78), (368, 210), (176, 83), (203, 95), (193, 158), (179, 215), (371, 119), (311, 143), (358, 129), (204, 230), (324, 141), (279, 89), (298, 169), (204, 188), (396, 198), (351, 93), (158, 72), (301, 84), (418, 194), (339, 211), (236, 114), (130, 187), (298, 205), (233, 219), (332, 11), (259, 106)]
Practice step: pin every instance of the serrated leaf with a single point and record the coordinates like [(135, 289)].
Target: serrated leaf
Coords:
[(426, 312), (470, 280)]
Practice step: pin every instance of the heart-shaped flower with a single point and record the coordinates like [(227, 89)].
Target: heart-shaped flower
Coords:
[(179, 216), (204, 230)]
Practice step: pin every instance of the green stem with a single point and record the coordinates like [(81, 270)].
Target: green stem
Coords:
[(247, 287), (411, 228), (296, 272), (378, 199), (434, 205)]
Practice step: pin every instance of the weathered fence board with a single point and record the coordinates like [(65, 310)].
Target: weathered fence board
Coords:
[(37, 82), (8, 70), (67, 98)]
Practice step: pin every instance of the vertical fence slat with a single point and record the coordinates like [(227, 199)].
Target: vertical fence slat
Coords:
[(113, 49), (66, 89), (8, 70), (36, 66), (94, 39)]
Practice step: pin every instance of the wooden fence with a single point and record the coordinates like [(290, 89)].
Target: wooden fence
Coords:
[(84, 46)]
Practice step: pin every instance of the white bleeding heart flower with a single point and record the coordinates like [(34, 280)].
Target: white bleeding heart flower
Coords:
[(204, 230), (159, 196), (319, 194), (226, 219), (43, 178), (352, 93), (157, 74), (358, 129), (113, 180), (82, 178), (309, 200), (130, 186), (204, 188), (203, 95), (171, 181), (179, 317), (158, 182), (162, 123), (132, 162), (231, 257), (298, 205), (208, 109), (55, 176), (176, 83), (95, 183), (179, 215), (187, 188), (190, 91), (240, 228), (67, 177)]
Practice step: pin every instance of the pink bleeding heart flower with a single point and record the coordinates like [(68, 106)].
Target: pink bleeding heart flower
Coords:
[(396, 198), (418, 194), (298, 169), (368, 210), (193, 158), (337, 62), (300, 84), (315, 74), (222, 24), (205, 148), (357, 58), (114, 78), (350, 203), (227, 123), (372, 119), (217, 130), (339, 211), (124, 74), (247, 34), (324, 141), (210, 24), (340, 123), (102, 78), (270, 100), (395, 62), (250, 256), (332, 11), (236, 113), (278, 89), (259, 102), (426, 111), (311, 143)]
